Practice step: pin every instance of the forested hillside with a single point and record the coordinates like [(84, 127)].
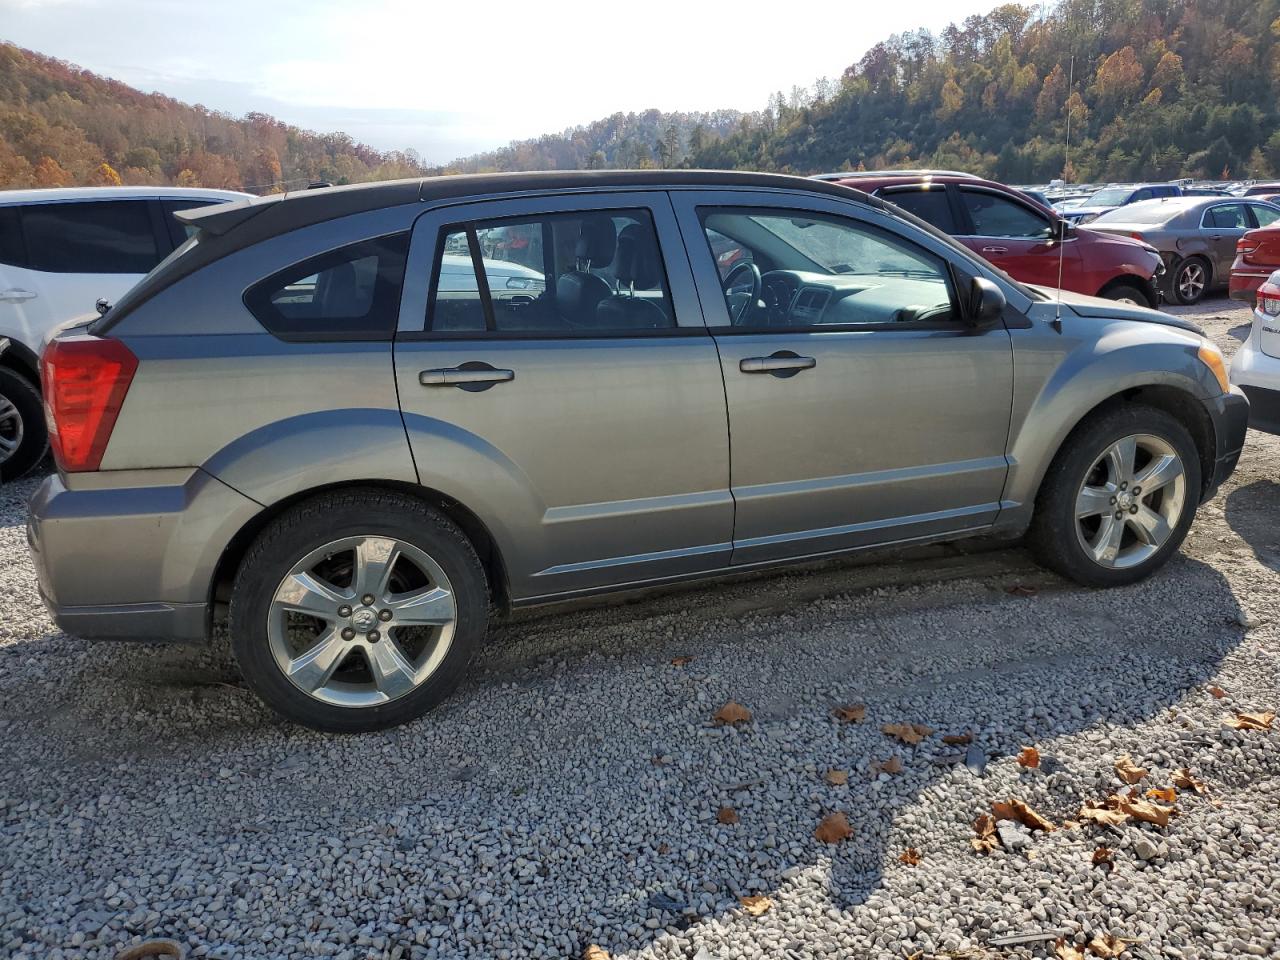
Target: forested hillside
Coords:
[(1159, 88)]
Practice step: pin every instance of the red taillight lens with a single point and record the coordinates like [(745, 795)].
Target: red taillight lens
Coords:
[(1269, 299), (1138, 236), (1245, 246), (85, 380)]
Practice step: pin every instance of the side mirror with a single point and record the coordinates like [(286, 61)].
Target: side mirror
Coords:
[(986, 304), (1063, 230)]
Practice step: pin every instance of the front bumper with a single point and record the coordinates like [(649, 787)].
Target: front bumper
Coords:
[(131, 555), (1230, 415)]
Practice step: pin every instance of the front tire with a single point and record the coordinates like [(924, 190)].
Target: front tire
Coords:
[(24, 439), (358, 610), (1127, 293), (1118, 499), (1190, 280)]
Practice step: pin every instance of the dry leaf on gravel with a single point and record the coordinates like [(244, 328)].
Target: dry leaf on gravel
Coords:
[(681, 661), (756, 906), (1020, 812), (1029, 757), (1107, 947), (595, 953), (1217, 692), (1066, 951), (1163, 794), (1107, 813), (1184, 779), (909, 856), (833, 828), (1149, 812), (1251, 721), (987, 839), (892, 765), (911, 733), (850, 712), (1128, 771), (837, 778), (727, 815), (732, 712), (1100, 856), (958, 739)]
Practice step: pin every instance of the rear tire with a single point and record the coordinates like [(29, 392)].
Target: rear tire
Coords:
[(1190, 281), (1127, 293), (358, 610), (24, 439), (1089, 525)]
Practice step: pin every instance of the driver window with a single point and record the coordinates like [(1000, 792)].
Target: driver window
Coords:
[(797, 269), (997, 216)]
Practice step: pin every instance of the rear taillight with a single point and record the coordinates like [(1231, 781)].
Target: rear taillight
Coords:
[(85, 380), (1138, 236), (1245, 246), (1269, 299)]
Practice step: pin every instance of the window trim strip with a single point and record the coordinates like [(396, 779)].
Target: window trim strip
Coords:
[(482, 278)]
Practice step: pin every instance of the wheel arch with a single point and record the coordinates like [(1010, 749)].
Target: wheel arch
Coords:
[(20, 358), (486, 546), (1131, 280)]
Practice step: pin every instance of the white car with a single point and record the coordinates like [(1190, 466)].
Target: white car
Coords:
[(1256, 367), (61, 251)]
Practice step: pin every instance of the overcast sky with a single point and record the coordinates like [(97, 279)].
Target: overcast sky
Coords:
[(450, 79)]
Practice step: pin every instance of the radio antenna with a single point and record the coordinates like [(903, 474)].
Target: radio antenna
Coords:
[(1066, 165)]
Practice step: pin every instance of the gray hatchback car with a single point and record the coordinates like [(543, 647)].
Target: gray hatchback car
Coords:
[(357, 421)]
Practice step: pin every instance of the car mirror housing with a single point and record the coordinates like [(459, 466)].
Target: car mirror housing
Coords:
[(986, 304), (1063, 230)]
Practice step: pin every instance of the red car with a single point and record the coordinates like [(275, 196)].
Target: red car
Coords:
[(1262, 189), (1019, 235), (1257, 256)]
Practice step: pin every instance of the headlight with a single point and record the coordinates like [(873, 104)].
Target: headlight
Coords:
[(1212, 358), (1087, 218)]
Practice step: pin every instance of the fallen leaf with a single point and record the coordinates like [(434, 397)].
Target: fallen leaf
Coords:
[(958, 739), (1251, 721), (892, 765), (1100, 856), (1029, 757), (837, 778), (1106, 814), (1003, 810), (911, 733), (1150, 812), (1107, 947), (1184, 779), (730, 713), (1067, 951), (850, 712), (910, 856), (1019, 812), (987, 839), (1128, 771), (833, 828), (681, 661), (727, 815), (1163, 794), (1070, 824), (1020, 590), (595, 953), (1217, 692), (756, 906)]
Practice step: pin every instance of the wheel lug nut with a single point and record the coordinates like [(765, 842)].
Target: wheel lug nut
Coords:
[(384, 615), (1123, 484), (373, 636), (344, 611), (1136, 491), (1119, 515), (1113, 499), (367, 599), (1134, 508), (348, 634)]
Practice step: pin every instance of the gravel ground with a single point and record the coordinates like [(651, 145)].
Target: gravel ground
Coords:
[(570, 793)]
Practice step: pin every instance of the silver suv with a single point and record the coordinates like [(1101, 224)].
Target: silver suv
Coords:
[(356, 421)]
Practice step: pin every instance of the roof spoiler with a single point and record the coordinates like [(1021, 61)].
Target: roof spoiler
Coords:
[(220, 218)]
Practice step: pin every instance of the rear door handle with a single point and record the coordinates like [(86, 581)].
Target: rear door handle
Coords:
[(995, 249), (16, 295), (466, 375), (778, 363)]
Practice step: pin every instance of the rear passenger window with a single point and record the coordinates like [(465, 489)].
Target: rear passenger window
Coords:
[(352, 293), (111, 236), (12, 250), (580, 274), (931, 206)]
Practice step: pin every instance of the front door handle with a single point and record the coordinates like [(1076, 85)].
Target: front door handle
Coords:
[(16, 295), (783, 363), (995, 249), (468, 376)]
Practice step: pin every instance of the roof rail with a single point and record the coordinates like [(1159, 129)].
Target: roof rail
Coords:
[(859, 174)]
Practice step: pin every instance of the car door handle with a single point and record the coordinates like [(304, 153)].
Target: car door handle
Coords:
[(464, 376), (995, 249), (778, 363), (16, 295)]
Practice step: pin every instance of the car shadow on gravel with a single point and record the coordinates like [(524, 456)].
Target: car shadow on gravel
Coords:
[(580, 765), (1253, 512)]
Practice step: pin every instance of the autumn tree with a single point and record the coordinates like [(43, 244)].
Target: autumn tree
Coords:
[(49, 173)]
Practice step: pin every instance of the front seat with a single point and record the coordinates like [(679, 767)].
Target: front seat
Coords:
[(579, 291), (638, 266)]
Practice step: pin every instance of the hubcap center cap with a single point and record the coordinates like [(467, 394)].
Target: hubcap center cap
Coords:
[(1124, 499), (364, 619)]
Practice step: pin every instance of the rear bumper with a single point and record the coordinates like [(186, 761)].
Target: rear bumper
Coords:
[(135, 559), (1230, 415), (1244, 284)]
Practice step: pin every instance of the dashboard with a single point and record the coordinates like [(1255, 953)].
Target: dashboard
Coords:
[(794, 298)]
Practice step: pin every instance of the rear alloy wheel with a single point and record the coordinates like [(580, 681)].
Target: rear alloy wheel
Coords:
[(24, 439), (1190, 280), (1118, 499), (358, 611)]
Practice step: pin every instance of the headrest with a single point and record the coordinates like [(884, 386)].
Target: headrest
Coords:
[(638, 259), (597, 241)]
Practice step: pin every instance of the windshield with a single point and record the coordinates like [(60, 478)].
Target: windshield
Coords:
[(833, 249), (1149, 211), (1111, 197)]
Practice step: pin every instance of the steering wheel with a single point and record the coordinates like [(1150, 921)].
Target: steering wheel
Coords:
[(740, 303)]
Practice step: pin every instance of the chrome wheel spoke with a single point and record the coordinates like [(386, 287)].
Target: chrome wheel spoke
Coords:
[(1151, 528), (1105, 545), (1160, 472), (305, 593), (1095, 500), (431, 607), (11, 431), (375, 559), (393, 674), (1120, 456), (312, 669)]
